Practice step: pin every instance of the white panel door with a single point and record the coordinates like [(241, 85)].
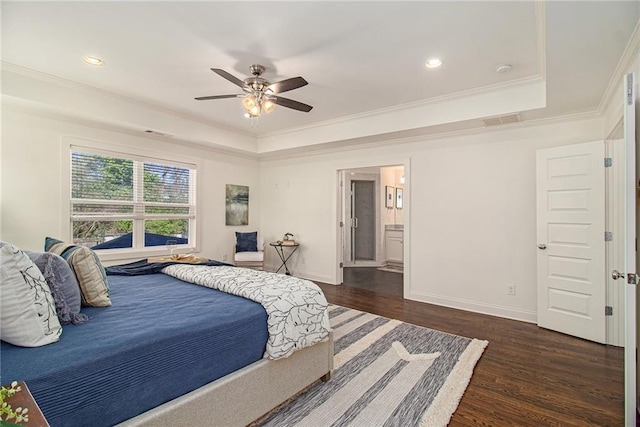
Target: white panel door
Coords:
[(571, 248)]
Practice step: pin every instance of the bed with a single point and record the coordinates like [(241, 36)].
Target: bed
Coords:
[(168, 353)]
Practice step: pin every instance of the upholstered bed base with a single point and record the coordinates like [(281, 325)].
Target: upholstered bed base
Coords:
[(245, 395)]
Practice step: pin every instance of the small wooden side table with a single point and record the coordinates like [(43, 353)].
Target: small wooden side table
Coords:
[(279, 247), (24, 399)]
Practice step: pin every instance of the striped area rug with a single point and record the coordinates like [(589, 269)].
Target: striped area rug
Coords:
[(386, 373)]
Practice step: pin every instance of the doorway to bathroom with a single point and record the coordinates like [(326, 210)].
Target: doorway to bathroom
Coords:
[(371, 228)]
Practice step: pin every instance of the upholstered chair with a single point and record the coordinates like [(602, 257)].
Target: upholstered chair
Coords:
[(248, 252)]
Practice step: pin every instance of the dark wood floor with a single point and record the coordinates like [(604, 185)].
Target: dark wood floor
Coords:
[(527, 376), (372, 279)]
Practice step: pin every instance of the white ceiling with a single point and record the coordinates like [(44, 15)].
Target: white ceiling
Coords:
[(358, 57)]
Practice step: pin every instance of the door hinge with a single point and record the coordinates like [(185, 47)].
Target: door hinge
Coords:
[(608, 236), (629, 89), (608, 310), (341, 265), (608, 162), (632, 278), (341, 224)]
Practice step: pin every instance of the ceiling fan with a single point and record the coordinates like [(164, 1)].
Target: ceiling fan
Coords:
[(260, 95)]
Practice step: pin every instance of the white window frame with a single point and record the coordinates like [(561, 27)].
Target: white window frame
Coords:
[(139, 156)]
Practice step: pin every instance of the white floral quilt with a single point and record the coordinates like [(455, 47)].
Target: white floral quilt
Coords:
[(296, 308)]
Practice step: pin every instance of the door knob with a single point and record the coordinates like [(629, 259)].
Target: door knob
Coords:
[(615, 274), (542, 246)]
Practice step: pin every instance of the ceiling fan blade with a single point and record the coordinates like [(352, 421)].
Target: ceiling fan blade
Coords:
[(205, 98), (290, 103), (287, 84), (233, 79)]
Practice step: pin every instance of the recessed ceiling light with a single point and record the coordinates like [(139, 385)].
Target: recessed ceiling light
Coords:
[(433, 63), (92, 60), (503, 68)]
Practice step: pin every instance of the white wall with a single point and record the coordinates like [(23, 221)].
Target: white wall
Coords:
[(470, 202), (471, 220), (390, 176), (32, 176)]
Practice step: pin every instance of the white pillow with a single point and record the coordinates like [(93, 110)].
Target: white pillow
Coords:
[(28, 313)]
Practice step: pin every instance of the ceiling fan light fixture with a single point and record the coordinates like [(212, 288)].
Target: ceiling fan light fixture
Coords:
[(268, 106), (249, 102), (255, 110), (252, 105)]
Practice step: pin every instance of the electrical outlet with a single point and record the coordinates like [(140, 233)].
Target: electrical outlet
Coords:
[(224, 257), (511, 289)]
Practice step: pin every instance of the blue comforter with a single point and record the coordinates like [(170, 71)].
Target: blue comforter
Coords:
[(160, 339)]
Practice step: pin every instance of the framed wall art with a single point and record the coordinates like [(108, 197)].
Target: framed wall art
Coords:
[(388, 201), (399, 201), (237, 205)]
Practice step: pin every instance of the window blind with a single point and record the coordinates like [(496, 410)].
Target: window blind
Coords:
[(113, 195)]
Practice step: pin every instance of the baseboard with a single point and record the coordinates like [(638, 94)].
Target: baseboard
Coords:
[(301, 274), (368, 264), (394, 264), (467, 305), (315, 278)]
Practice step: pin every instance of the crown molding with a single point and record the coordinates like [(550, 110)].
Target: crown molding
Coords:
[(352, 145), (71, 84), (629, 56), (62, 82), (541, 33), (417, 104), (12, 104)]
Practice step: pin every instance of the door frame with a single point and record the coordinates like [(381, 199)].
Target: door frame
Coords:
[(630, 265), (614, 249), (339, 197)]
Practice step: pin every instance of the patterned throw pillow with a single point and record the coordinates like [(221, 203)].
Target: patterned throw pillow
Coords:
[(86, 265), (63, 284), (27, 311), (247, 242)]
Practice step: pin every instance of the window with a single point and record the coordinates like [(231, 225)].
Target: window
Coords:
[(121, 201)]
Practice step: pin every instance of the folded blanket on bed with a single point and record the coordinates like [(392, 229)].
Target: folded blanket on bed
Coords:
[(296, 308), (144, 267)]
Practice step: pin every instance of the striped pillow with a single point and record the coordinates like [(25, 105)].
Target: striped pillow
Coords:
[(84, 262)]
